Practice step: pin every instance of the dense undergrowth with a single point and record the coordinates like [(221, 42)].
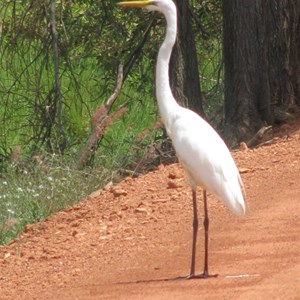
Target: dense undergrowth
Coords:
[(36, 177), (36, 182), (35, 185)]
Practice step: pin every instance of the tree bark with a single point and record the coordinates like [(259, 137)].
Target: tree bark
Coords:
[(261, 63), (284, 55), (184, 74), (243, 69)]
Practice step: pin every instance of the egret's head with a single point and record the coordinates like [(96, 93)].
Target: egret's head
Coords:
[(152, 5)]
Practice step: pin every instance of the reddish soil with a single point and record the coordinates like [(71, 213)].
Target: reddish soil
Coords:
[(129, 241)]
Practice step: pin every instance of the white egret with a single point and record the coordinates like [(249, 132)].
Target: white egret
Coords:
[(203, 154)]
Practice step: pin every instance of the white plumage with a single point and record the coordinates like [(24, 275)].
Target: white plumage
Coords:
[(203, 154), (207, 160)]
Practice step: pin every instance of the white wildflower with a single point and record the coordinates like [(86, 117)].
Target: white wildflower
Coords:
[(10, 211)]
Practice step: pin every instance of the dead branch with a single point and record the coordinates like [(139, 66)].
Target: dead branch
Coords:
[(116, 92), (256, 139), (100, 121)]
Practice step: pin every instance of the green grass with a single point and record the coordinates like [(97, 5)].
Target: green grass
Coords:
[(30, 193)]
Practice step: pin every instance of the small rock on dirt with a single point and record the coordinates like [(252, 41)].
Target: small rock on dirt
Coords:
[(140, 210), (119, 192), (173, 184)]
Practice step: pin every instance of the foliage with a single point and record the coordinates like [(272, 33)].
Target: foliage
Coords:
[(88, 60), (208, 28), (29, 194), (93, 38), (88, 63)]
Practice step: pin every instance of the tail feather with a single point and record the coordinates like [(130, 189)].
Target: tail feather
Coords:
[(241, 201)]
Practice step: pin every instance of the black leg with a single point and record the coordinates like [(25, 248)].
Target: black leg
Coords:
[(195, 231), (206, 227)]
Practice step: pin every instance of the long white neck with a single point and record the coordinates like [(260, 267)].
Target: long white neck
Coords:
[(166, 102)]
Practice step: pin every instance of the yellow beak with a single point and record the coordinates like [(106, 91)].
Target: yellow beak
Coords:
[(135, 3)]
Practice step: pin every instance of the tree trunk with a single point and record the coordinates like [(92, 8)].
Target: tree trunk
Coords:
[(284, 47), (184, 74), (261, 63), (246, 80)]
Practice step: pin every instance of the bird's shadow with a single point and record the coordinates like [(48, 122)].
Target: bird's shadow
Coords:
[(180, 278), (147, 281)]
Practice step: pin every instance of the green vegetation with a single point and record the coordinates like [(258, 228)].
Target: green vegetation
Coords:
[(40, 138), (34, 188), (30, 195)]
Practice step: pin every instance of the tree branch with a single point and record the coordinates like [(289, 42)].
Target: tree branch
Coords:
[(138, 49), (61, 141), (100, 121)]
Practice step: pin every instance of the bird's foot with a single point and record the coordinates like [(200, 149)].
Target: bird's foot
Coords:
[(203, 275)]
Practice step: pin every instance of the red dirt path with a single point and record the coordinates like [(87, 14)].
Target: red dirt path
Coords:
[(121, 243)]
